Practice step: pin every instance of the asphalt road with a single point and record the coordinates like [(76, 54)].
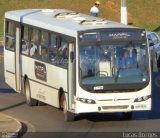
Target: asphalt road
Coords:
[(46, 119)]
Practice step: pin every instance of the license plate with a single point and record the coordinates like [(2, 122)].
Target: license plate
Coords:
[(141, 106)]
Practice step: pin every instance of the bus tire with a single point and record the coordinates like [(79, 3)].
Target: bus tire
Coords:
[(29, 101), (127, 115), (68, 116)]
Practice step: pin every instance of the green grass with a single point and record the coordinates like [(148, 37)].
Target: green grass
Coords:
[(1, 28), (142, 13)]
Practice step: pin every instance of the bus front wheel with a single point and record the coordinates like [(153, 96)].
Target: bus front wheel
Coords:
[(68, 116), (30, 101)]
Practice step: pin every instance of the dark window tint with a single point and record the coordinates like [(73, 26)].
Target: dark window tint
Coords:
[(11, 28), (25, 33), (25, 40), (53, 47), (154, 38), (10, 43), (63, 52), (10, 35), (44, 38), (34, 50)]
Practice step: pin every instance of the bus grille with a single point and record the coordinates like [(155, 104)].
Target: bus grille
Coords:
[(114, 107), (114, 100)]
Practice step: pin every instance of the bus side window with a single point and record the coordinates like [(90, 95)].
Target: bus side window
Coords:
[(44, 38), (34, 42), (10, 43), (44, 53), (25, 40), (63, 52), (10, 35), (53, 56), (44, 46)]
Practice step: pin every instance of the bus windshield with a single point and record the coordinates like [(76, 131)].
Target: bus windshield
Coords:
[(117, 66)]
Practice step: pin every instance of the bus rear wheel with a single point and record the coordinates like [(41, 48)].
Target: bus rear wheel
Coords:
[(29, 101), (68, 116), (127, 115)]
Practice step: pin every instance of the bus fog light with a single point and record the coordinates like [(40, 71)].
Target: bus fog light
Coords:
[(99, 108), (132, 107)]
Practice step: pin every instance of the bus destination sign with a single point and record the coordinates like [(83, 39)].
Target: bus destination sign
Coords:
[(121, 36), (111, 36)]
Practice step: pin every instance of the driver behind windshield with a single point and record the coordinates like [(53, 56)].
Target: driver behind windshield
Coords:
[(126, 61)]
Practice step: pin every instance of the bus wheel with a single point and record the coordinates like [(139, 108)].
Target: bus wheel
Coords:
[(68, 116), (30, 101), (127, 115)]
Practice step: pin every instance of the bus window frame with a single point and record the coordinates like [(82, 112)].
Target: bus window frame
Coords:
[(36, 43), (88, 88), (44, 46), (11, 36), (58, 35), (22, 39)]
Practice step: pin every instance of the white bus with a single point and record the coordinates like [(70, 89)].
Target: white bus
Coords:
[(76, 62)]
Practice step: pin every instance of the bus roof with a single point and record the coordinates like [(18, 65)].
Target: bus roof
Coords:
[(65, 21)]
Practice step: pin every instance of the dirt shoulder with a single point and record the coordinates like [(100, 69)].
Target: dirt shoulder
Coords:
[(1, 41), (1, 48)]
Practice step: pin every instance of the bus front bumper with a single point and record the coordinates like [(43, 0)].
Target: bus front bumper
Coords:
[(113, 107)]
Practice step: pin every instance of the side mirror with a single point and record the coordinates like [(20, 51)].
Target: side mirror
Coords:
[(72, 56), (154, 61), (151, 44)]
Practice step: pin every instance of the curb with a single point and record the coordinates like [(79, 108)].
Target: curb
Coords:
[(8, 133)]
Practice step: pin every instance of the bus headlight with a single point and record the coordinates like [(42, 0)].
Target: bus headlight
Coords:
[(88, 101), (144, 98)]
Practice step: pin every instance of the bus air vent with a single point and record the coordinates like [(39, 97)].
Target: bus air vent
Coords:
[(48, 11), (115, 107), (93, 22), (67, 15), (79, 19)]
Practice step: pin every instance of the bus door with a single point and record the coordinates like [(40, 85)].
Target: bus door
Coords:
[(17, 59), (71, 76)]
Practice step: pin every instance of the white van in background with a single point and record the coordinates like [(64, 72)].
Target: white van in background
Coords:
[(154, 43)]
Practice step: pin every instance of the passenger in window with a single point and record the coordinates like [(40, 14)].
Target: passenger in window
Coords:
[(33, 49), (53, 55), (44, 54), (63, 50), (63, 54), (25, 47)]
